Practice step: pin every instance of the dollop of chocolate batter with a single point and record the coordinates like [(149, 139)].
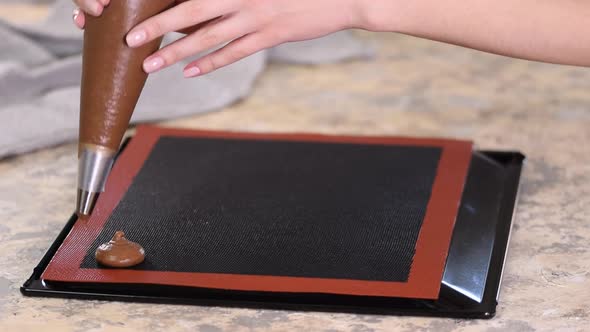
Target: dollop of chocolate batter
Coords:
[(120, 252)]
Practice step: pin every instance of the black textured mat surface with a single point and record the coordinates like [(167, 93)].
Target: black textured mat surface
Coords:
[(278, 208)]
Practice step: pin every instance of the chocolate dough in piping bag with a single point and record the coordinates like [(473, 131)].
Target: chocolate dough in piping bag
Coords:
[(112, 81)]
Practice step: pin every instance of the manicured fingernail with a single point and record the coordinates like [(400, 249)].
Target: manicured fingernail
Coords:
[(136, 38), (97, 10), (75, 13), (191, 72), (150, 65)]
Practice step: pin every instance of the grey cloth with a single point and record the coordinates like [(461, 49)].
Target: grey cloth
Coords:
[(40, 72)]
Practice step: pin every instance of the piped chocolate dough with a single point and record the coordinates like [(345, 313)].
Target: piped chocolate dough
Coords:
[(112, 74), (120, 252)]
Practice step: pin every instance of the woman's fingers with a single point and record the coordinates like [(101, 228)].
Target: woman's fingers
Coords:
[(189, 30), (92, 7), (79, 18), (179, 17), (232, 52), (219, 31)]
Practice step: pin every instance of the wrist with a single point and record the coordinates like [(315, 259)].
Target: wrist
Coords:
[(378, 15)]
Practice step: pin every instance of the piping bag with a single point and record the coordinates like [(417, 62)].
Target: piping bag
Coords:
[(112, 81)]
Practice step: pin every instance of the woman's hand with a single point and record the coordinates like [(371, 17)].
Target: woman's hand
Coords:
[(541, 31), (92, 7), (247, 26)]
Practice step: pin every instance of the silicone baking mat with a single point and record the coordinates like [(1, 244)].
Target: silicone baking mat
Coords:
[(276, 213)]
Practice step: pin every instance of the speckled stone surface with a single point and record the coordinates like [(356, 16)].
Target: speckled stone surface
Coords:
[(414, 87)]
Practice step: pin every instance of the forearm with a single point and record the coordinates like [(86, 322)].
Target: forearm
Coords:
[(556, 31)]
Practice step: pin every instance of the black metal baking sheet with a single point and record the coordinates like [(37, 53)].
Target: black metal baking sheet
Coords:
[(489, 200)]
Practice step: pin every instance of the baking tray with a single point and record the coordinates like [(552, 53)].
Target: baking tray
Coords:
[(469, 288)]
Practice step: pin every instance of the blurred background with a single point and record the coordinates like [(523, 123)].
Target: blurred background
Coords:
[(23, 10), (365, 84)]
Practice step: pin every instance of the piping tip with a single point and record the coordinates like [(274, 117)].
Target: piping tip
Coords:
[(94, 166), (85, 202)]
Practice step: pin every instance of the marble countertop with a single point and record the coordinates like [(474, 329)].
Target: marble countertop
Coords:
[(413, 87)]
